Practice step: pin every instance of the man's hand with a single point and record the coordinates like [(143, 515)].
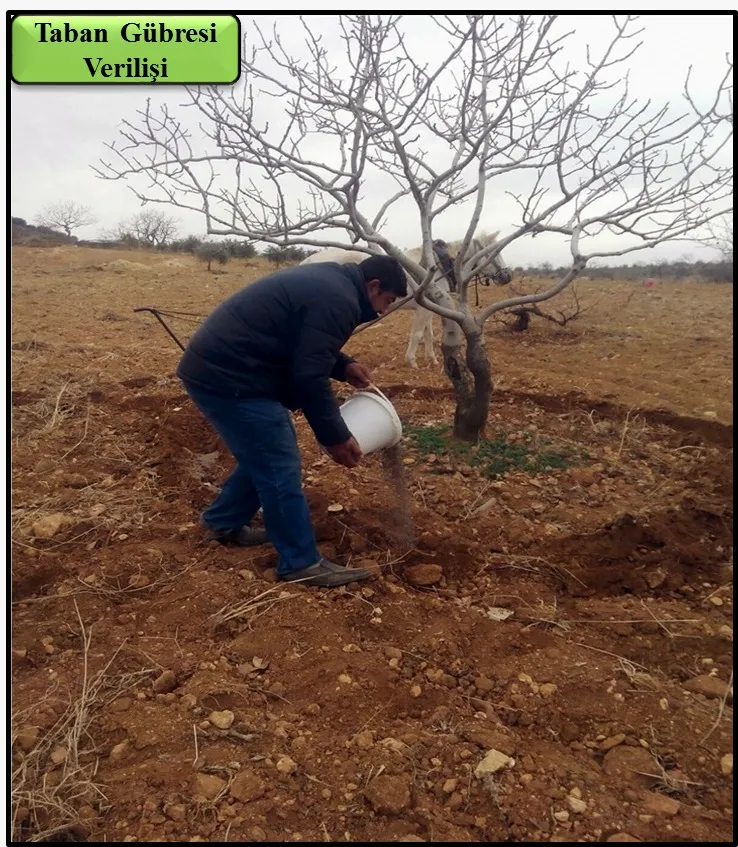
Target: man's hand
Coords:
[(347, 454), (357, 375)]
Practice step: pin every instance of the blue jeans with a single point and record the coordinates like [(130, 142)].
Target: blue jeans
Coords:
[(260, 434)]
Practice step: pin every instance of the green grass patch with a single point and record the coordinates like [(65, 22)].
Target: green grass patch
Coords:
[(494, 457)]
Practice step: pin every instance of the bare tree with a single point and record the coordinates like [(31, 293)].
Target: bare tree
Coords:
[(66, 216), (323, 142), (149, 227), (721, 237)]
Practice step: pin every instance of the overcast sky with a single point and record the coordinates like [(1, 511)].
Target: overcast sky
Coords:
[(58, 132)]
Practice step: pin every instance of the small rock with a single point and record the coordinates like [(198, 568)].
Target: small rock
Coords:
[(176, 811), (716, 601), (631, 764), (660, 804), (208, 786), (726, 632), (165, 682), (455, 801), (494, 761), (424, 574), (656, 578), (138, 580), (364, 740), (246, 787), (388, 794), (583, 476), (416, 691), (59, 755), (613, 741), (579, 807), (28, 737), (449, 786), (483, 684), (393, 744), (392, 653), (222, 720), (188, 701), (48, 526), (499, 614), (335, 508), (286, 765), (623, 836), (548, 689), (710, 686), (562, 817), (489, 739), (119, 752), (726, 764)]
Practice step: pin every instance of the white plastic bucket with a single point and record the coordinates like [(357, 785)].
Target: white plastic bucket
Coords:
[(373, 421)]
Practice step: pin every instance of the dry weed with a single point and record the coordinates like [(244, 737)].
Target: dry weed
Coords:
[(54, 779)]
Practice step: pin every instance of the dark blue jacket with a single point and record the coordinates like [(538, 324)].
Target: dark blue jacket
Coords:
[(281, 338)]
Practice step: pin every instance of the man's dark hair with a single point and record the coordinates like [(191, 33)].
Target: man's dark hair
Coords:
[(388, 271)]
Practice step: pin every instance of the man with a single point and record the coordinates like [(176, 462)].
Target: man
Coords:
[(271, 347)]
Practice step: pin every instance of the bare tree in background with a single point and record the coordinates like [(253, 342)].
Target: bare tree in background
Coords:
[(66, 216), (298, 152), (721, 237), (150, 227)]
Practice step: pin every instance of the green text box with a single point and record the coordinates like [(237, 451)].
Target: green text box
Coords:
[(125, 49)]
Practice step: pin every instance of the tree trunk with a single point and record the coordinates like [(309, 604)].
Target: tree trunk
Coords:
[(471, 374)]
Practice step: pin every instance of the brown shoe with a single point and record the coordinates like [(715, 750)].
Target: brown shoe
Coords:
[(326, 575)]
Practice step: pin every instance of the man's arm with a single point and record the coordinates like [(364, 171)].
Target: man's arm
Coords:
[(339, 369), (324, 330)]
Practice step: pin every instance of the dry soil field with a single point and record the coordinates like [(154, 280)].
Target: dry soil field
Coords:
[(549, 659)]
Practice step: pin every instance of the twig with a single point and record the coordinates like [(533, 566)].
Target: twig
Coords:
[(622, 437), (246, 607), (56, 406), (720, 712), (197, 749), (608, 653), (84, 435), (470, 509), (718, 589)]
